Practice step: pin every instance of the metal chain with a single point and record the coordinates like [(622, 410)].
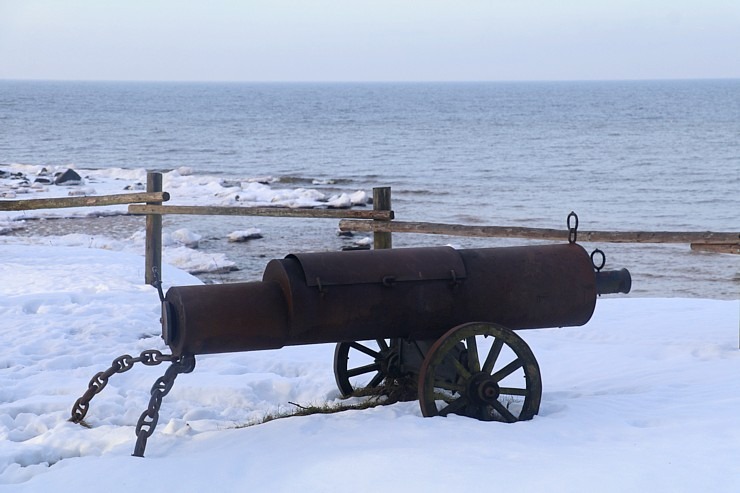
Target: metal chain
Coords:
[(149, 418), (572, 228), (157, 283), (121, 364)]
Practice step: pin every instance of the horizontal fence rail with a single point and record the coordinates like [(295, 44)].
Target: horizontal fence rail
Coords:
[(206, 210), (712, 241), (88, 201)]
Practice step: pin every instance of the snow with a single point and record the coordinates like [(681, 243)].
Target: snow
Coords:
[(185, 188), (175, 252), (17, 181), (643, 398)]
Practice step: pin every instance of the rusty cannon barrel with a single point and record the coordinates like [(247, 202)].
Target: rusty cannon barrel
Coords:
[(409, 293)]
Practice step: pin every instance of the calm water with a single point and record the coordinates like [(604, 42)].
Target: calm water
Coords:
[(661, 155)]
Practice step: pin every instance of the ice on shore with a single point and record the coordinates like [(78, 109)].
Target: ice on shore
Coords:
[(185, 188)]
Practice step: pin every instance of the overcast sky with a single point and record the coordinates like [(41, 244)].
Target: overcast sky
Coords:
[(361, 40)]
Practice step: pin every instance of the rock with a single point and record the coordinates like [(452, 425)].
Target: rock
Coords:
[(341, 201), (355, 247), (83, 192), (246, 235), (69, 177), (185, 237), (364, 242), (359, 198)]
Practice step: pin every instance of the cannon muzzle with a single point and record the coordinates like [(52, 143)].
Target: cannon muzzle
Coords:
[(613, 281)]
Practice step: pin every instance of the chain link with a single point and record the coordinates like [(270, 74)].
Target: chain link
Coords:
[(572, 222), (100, 380), (149, 418), (598, 265)]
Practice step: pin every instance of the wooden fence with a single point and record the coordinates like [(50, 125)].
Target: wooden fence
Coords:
[(154, 211), (379, 221)]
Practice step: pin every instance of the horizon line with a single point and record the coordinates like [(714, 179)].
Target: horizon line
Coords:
[(358, 81)]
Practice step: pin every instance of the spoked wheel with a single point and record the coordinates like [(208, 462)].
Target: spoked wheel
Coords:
[(364, 364), (497, 377)]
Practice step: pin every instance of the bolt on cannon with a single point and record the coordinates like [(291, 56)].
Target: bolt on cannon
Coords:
[(443, 318)]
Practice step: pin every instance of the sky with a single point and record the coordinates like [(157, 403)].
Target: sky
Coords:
[(362, 40)]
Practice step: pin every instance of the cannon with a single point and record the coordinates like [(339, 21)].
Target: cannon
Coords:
[(443, 318), (439, 321)]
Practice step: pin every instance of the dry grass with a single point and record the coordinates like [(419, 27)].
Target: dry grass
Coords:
[(400, 390)]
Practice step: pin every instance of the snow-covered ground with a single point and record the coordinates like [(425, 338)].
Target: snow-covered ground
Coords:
[(645, 397)]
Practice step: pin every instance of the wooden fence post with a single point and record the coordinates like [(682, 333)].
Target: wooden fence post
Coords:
[(382, 202), (153, 251)]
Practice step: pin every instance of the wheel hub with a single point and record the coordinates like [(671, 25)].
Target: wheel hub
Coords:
[(483, 389), (390, 363)]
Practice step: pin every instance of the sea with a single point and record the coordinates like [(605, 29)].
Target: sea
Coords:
[(624, 155)]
